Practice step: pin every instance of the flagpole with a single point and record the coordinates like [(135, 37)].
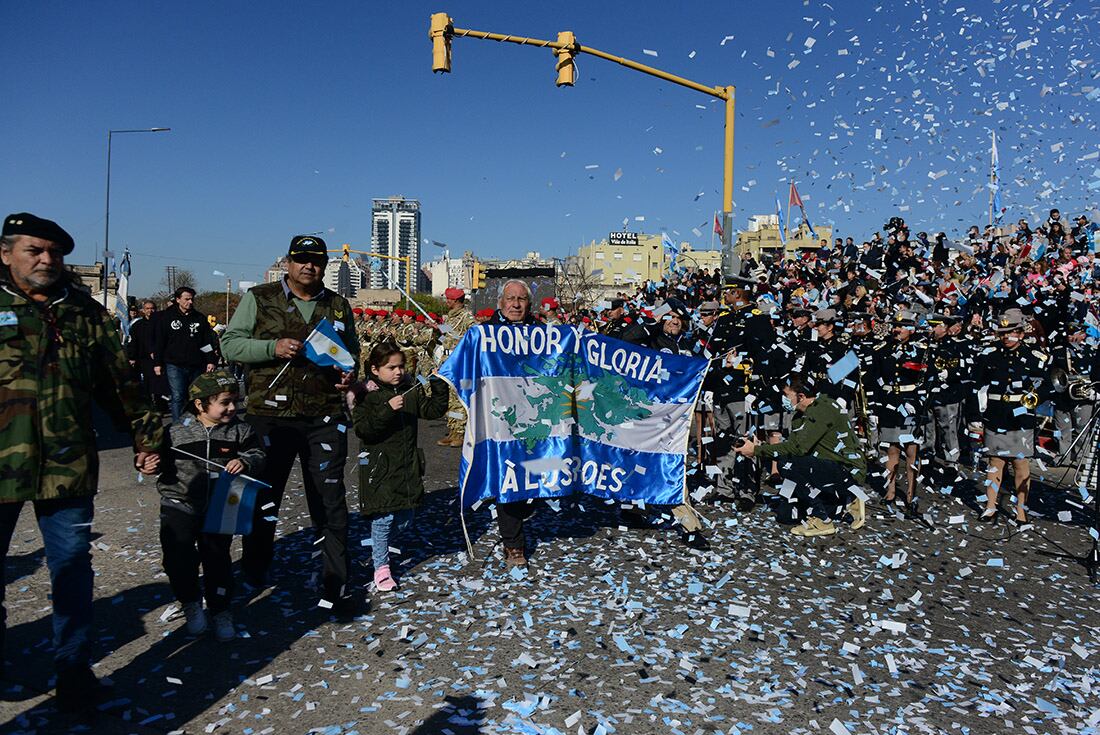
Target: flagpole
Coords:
[(411, 301), (787, 222), (276, 378), (992, 177), (219, 466)]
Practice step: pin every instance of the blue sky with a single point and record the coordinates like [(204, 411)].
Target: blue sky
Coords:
[(289, 117)]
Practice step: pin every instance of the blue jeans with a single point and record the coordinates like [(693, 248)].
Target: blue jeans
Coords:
[(180, 378), (66, 527), (383, 528)]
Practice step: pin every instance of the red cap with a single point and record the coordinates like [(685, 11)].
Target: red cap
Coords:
[(419, 317), (454, 293), (550, 303), (485, 313), (381, 312), (356, 310)]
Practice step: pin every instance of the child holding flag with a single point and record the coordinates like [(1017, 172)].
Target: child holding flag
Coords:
[(385, 420), (208, 438)]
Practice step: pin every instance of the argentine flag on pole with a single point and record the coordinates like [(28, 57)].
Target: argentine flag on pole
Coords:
[(323, 346), (779, 219), (672, 249), (231, 505)]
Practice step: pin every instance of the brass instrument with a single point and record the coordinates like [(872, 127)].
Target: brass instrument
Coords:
[(1030, 400), (943, 363), (1076, 387)]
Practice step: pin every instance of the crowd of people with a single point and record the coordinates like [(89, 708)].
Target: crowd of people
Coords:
[(896, 366)]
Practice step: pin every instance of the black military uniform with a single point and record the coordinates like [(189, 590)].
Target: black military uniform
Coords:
[(950, 368), (616, 327), (741, 345), (1073, 359), (825, 353), (1010, 383)]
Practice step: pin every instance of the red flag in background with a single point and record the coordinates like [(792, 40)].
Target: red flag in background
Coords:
[(795, 200), (718, 227)]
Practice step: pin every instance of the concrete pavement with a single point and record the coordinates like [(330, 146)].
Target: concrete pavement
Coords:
[(896, 628)]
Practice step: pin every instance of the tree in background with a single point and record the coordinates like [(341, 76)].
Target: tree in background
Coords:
[(427, 302)]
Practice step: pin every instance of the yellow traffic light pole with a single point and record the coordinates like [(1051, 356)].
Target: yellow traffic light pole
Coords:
[(346, 250), (566, 48)]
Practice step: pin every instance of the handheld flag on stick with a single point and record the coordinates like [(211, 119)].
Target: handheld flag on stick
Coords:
[(323, 347), (231, 505)]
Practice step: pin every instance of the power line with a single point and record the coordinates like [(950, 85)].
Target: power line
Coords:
[(197, 260)]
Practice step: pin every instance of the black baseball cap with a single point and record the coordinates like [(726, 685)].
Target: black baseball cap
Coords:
[(307, 245)]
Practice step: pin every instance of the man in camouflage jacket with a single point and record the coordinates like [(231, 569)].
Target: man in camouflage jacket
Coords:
[(456, 322), (59, 352)]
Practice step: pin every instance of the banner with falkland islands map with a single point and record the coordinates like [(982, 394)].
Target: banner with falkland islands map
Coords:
[(557, 410)]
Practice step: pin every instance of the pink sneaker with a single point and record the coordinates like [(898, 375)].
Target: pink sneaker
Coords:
[(383, 581)]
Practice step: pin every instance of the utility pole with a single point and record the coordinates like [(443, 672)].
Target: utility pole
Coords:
[(170, 270), (566, 48)]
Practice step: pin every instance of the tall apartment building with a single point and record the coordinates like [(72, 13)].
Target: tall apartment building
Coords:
[(395, 231)]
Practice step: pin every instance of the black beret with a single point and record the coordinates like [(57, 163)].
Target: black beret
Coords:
[(618, 304), (24, 223), (307, 245)]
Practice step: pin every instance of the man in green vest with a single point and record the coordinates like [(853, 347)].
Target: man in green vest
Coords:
[(297, 407)]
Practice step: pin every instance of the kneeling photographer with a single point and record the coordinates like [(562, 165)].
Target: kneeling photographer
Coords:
[(821, 457)]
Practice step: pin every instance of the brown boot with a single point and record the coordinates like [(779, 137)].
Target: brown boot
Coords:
[(514, 557)]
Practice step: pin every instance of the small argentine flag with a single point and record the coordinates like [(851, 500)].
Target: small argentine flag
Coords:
[(231, 505), (323, 346)]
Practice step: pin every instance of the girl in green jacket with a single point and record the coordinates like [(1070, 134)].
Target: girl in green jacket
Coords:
[(391, 467)]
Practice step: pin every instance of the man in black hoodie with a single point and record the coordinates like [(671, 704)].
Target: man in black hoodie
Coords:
[(184, 346)]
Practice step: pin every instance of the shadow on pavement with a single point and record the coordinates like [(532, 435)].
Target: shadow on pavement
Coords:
[(459, 716), (23, 565)]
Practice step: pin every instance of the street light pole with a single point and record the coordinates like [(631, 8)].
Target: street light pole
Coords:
[(107, 217)]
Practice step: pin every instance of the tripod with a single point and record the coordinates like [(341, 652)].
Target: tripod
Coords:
[(1088, 463)]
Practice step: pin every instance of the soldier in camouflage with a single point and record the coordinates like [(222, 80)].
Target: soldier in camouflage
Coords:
[(59, 352), (300, 413), (405, 336), (456, 322)]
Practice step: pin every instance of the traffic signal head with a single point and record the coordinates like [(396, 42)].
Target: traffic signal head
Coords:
[(479, 276), (566, 65), (440, 33), (347, 252)]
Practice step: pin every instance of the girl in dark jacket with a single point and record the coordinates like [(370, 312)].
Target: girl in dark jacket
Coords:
[(390, 474)]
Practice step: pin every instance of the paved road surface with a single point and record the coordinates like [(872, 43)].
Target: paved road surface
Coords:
[(897, 628)]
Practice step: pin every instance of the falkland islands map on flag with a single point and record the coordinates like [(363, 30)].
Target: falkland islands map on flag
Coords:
[(556, 410)]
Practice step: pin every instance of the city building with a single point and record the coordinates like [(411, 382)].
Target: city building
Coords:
[(532, 259), (276, 271), (708, 260), (395, 233), (358, 275), (623, 260), (762, 238), (447, 272)]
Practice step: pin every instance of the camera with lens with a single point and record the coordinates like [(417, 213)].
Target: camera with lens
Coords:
[(895, 224)]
